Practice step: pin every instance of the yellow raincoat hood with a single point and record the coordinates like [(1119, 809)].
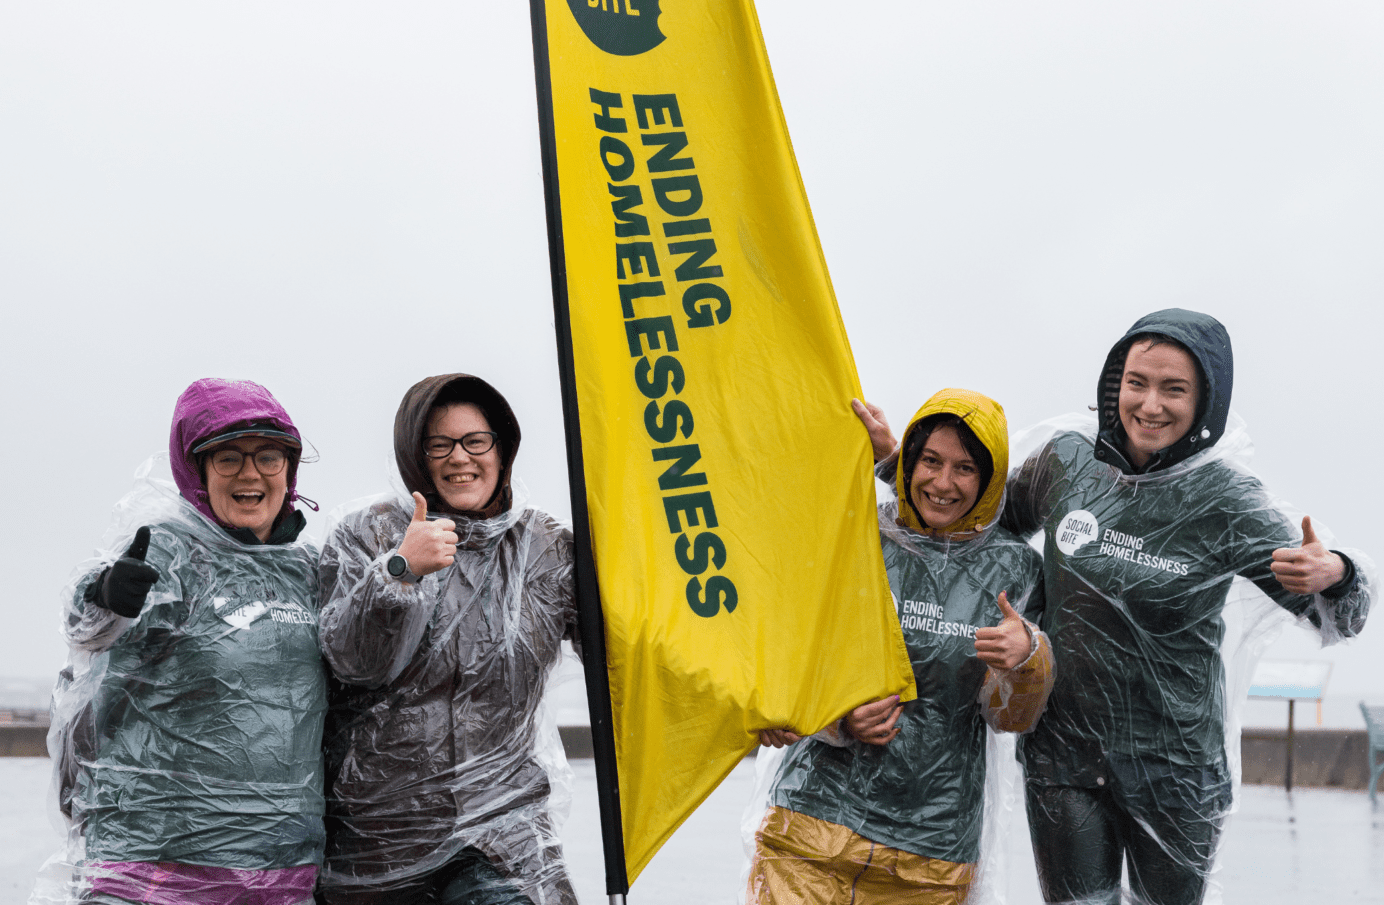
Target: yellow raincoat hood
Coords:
[(985, 416)]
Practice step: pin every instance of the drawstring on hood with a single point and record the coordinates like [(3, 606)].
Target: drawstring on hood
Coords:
[(1209, 344), (411, 423), (985, 417), (211, 406)]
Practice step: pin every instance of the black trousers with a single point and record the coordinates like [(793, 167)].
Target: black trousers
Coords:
[(1162, 821), (467, 879)]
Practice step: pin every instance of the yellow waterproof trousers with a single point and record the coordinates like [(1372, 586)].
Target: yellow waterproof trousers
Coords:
[(800, 860)]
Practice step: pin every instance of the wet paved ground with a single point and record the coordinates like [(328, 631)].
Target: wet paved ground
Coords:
[(1313, 846), (1316, 845)]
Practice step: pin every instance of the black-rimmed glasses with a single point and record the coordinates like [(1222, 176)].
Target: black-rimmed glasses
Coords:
[(229, 461), (475, 443)]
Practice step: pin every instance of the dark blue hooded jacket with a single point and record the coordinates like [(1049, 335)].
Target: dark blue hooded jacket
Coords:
[(1137, 566)]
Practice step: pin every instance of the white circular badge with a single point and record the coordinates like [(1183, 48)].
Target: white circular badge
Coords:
[(1076, 529)]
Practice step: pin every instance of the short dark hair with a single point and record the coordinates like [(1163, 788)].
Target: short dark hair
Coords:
[(1158, 339)]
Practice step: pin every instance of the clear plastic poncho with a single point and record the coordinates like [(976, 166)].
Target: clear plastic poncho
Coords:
[(192, 732), (920, 818), (944, 790), (1159, 603), (440, 748)]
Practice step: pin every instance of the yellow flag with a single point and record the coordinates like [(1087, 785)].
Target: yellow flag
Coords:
[(729, 485)]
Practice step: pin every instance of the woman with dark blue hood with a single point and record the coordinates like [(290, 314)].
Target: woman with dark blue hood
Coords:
[(1146, 521)]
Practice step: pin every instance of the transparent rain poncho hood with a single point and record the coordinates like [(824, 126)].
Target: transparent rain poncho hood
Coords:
[(192, 732), (439, 744), (1159, 602), (927, 793)]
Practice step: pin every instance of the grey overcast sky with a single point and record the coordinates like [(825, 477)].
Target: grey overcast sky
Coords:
[(336, 199)]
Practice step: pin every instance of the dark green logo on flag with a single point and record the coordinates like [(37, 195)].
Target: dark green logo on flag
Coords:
[(625, 28)]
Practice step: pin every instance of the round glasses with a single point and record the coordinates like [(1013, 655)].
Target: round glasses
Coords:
[(475, 443), (268, 461)]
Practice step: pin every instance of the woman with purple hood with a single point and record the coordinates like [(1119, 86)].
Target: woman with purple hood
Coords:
[(187, 725)]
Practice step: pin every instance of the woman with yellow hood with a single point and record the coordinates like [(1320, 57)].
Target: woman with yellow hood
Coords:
[(886, 804)]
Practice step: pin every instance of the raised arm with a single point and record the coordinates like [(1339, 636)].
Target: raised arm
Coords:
[(1310, 568), (1018, 656), (1025, 492), (1330, 589), (108, 601), (882, 441), (372, 622)]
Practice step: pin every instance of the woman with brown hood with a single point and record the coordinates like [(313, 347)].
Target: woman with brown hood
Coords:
[(442, 618)]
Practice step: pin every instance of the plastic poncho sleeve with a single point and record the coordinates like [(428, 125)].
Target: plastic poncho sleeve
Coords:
[(1255, 530), (1011, 700), (833, 734), (88, 626), (371, 623), (93, 630), (1023, 492), (556, 581)]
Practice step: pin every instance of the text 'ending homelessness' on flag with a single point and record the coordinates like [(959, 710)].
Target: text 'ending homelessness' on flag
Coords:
[(728, 485)]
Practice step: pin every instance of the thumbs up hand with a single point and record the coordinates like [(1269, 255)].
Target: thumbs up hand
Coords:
[(1008, 644), (428, 546), (127, 582), (1310, 568)]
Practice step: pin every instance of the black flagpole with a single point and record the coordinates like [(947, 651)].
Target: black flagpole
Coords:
[(588, 593)]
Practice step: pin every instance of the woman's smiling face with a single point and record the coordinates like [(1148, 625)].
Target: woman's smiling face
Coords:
[(1158, 398), (246, 499), (945, 481), (465, 482)]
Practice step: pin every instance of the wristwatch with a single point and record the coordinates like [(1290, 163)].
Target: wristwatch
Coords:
[(397, 567)]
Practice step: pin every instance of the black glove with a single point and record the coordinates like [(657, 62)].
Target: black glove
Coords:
[(127, 582)]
